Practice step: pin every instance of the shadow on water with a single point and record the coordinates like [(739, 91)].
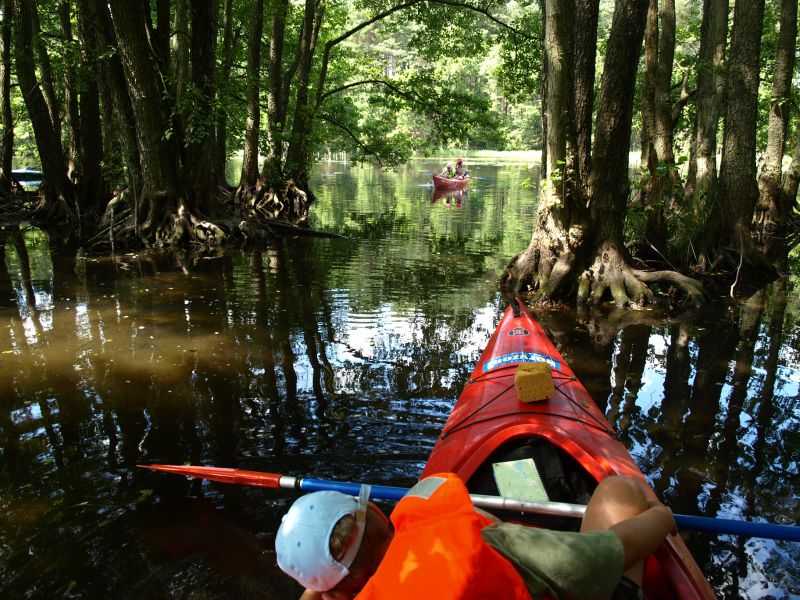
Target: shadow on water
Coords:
[(342, 359)]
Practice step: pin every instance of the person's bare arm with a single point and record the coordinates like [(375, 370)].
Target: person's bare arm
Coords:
[(311, 595), (643, 533)]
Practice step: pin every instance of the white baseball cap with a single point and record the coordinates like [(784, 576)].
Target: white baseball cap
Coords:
[(303, 541)]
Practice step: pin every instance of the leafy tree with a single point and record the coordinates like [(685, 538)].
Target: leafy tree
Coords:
[(577, 248)]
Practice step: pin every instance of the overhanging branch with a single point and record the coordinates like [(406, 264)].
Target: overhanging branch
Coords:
[(411, 96), (353, 136), (390, 11)]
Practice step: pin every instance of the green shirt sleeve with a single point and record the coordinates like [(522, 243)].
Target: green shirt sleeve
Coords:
[(568, 565)]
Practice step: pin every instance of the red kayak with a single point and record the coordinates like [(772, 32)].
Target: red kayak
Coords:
[(570, 441), (441, 183)]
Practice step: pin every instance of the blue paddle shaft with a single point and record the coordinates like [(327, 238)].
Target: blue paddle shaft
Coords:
[(378, 492), (734, 527), (685, 522)]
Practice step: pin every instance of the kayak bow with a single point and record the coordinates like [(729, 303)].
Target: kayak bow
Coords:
[(563, 445)]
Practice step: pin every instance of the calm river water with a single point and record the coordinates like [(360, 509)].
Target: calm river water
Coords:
[(342, 358)]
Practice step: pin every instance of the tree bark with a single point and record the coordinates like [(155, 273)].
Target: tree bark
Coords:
[(221, 154), (156, 204), (277, 100), (58, 196), (159, 166), (610, 271), (180, 49), (297, 152), (730, 234), (93, 190), (792, 180), (657, 112), (701, 180), (772, 209), (201, 177), (649, 84), (74, 153), (546, 265), (45, 71), (249, 175), (586, 19), (578, 252), (98, 31), (7, 133)]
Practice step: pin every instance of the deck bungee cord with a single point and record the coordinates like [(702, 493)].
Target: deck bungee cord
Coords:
[(565, 379)]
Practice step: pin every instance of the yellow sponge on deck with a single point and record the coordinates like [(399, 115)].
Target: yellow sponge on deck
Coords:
[(534, 382)]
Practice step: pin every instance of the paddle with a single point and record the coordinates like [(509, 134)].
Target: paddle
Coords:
[(383, 492)]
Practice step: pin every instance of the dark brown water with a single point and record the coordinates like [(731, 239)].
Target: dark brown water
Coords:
[(341, 358)]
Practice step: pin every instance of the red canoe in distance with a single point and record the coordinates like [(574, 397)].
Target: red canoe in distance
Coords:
[(442, 183)]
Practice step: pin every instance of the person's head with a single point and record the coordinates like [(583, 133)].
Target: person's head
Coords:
[(460, 161), (332, 543), (449, 165)]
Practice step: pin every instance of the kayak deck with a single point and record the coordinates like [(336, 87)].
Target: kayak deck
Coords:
[(570, 441)]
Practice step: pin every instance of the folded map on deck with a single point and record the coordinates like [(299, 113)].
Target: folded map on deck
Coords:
[(519, 479)]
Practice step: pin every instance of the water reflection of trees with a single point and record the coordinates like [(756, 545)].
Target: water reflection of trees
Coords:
[(252, 360), (232, 360), (719, 439)]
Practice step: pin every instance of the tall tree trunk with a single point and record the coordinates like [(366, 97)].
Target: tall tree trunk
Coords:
[(545, 266), (74, 152), (297, 152), (221, 152), (649, 84), (158, 156), (578, 252), (180, 49), (771, 203), (657, 112), (93, 191), (559, 49), (543, 76), (276, 97), (586, 18), (58, 193), (792, 180), (610, 271), (45, 71), (163, 35), (250, 158), (181, 72), (730, 235), (7, 132), (200, 139), (97, 29), (701, 180)]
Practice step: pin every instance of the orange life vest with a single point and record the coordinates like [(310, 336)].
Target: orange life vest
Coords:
[(437, 550)]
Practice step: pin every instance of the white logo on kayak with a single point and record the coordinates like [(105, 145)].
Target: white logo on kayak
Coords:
[(519, 357), (518, 331)]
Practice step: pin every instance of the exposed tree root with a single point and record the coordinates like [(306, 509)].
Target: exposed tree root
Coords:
[(156, 220), (55, 211), (546, 267), (611, 274), (288, 201), (552, 277), (167, 220)]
